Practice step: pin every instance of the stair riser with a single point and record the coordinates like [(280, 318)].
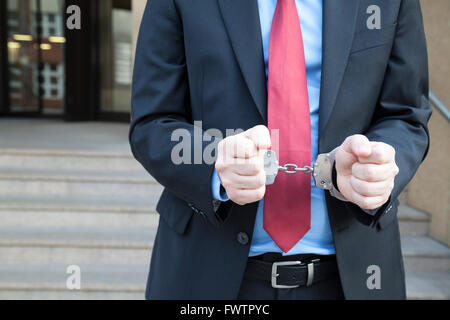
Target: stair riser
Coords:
[(69, 163), (74, 256), (414, 228), (79, 219), (69, 295), (69, 188), (426, 264)]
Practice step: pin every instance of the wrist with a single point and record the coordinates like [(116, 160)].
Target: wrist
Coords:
[(325, 174)]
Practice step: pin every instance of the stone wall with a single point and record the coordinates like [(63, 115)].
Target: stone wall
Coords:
[(430, 189)]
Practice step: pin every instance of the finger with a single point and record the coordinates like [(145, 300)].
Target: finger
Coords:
[(373, 172), (244, 182), (344, 162), (371, 189), (249, 167), (381, 153), (240, 147), (369, 203), (358, 145), (260, 136), (242, 196)]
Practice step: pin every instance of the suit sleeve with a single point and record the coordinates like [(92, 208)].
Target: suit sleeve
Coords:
[(403, 111), (160, 106)]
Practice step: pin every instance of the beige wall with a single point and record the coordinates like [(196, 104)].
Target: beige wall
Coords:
[(137, 7), (430, 189)]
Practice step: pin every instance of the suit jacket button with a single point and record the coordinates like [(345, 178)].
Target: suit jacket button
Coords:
[(243, 238)]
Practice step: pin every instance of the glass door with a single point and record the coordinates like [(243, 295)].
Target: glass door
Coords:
[(35, 41), (115, 56)]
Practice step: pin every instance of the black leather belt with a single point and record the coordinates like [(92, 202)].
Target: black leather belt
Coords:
[(292, 274)]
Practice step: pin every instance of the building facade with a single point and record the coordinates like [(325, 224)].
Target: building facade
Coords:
[(49, 70)]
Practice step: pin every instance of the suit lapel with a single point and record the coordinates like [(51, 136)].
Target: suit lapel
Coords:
[(339, 21), (241, 19)]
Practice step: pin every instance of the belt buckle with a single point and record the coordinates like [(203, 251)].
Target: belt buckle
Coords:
[(275, 273)]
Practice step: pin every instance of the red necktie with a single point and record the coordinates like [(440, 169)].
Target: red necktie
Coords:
[(287, 204)]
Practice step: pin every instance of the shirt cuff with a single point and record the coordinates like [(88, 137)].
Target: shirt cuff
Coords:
[(218, 192)]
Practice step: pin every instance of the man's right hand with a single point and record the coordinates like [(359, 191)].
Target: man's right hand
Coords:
[(240, 165)]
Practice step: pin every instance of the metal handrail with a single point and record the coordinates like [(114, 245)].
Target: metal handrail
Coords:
[(443, 109)]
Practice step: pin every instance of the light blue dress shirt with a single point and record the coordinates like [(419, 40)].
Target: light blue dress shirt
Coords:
[(319, 239)]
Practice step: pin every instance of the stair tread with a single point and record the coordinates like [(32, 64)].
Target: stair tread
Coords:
[(81, 203), (53, 276), (124, 176), (58, 135), (80, 237), (422, 246), (428, 285), (126, 154), (408, 213)]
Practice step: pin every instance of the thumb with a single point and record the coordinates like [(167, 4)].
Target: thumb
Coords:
[(260, 136), (358, 145)]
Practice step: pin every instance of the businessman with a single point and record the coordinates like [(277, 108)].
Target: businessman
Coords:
[(345, 81)]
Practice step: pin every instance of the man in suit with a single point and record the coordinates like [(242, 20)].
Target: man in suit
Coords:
[(346, 79)]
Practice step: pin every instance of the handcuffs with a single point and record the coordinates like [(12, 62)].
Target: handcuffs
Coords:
[(322, 171)]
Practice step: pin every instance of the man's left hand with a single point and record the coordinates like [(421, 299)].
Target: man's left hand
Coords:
[(366, 171)]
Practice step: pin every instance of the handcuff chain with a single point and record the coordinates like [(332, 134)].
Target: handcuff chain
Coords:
[(293, 168)]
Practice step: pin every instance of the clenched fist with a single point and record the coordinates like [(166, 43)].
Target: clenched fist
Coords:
[(366, 171), (240, 165)]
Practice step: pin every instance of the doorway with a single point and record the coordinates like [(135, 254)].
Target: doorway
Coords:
[(115, 51), (48, 70), (35, 57)]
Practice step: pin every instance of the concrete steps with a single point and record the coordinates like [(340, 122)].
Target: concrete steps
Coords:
[(21, 159), (48, 281), (428, 286), (97, 210), (76, 245), (91, 209), (87, 211), (423, 254), (413, 222), (75, 184)]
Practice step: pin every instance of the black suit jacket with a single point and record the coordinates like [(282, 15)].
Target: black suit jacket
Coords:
[(202, 60)]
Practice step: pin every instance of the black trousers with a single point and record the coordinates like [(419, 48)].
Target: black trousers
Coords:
[(255, 289)]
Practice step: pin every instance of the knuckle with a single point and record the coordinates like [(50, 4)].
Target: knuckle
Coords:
[(220, 166), (393, 151), (386, 198), (355, 197), (356, 168), (364, 188), (261, 180), (226, 183), (391, 187), (260, 193), (255, 167), (349, 140), (388, 148), (381, 155), (234, 194), (365, 203), (370, 172)]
